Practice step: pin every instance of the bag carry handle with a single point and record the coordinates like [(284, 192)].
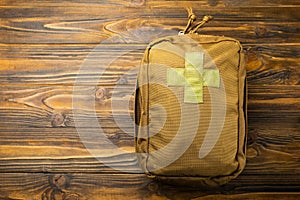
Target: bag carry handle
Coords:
[(193, 28)]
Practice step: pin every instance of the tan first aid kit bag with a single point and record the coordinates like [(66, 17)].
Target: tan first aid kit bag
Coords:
[(190, 108)]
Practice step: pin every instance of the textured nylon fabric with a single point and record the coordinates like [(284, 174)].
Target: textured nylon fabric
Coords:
[(227, 158)]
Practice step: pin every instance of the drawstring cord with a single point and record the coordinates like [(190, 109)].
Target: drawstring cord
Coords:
[(190, 28), (192, 17), (205, 19)]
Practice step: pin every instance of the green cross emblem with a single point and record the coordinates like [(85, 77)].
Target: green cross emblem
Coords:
[(193, 77)]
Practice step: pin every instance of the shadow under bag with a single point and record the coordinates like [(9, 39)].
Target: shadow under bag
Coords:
[(190, 108)]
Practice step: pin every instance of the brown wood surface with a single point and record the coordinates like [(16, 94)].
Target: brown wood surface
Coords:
[(44, 44)]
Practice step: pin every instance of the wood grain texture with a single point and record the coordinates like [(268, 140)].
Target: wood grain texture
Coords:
[(108, 186), (52, 52), (105, 64), (136, 3), (44, 152), (99, 24)]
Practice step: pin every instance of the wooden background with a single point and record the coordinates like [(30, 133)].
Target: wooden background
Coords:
[(43, 44)]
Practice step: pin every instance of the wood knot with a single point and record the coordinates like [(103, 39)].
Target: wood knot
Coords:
[(58, 189), (260, 31), (58, 119), (253, 60), (137, 2), (252, 137), (153, 186), (59, 181), (71, 197), (122, 80), (101, 93), (252, 152), (213, 2)]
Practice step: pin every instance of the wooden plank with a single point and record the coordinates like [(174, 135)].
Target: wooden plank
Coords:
[(254, 195), (68, 3), (97, 24), (72, 186), (222, 3), (202, 3), (140, 30), (60, 64), (52, 106), (45, 150), (275, 98), (263, 66), (131, 186)]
